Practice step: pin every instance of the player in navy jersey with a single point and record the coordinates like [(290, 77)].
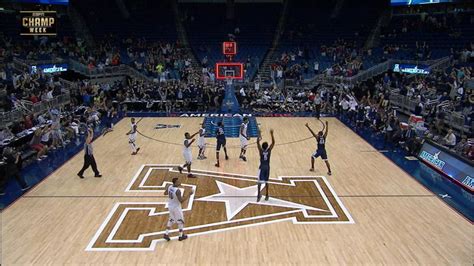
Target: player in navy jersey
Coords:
[(221, 141), (321, 151), (264, 169)]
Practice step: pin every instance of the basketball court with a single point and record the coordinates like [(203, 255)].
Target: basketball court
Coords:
[(368, 211)]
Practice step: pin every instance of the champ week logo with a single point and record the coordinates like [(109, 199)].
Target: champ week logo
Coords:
[(221, 202), (39, 23), (433, 159)]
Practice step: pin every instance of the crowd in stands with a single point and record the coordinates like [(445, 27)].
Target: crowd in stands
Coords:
[(368, 105), (175, 85), (28, 88), (344, 57), (160, 60)]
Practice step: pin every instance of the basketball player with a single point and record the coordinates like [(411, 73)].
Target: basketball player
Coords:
[(244, 139), (132, 136), (221, 141), (202, 142), (174, 206), (187, 153), (321, 151), (264, 170), (89, 156)]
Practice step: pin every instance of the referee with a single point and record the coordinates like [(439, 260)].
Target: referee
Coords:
[(89, 156)]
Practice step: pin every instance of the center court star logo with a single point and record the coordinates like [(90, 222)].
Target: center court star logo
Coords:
[(236, 199), (221, 202)]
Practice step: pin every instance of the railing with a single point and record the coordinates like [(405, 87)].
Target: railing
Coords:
[(39, 107), (377, 70), (407, 106), (108, 71)]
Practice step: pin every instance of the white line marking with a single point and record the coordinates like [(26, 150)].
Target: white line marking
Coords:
[(189, 207)]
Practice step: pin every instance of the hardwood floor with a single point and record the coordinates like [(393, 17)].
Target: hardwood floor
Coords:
[(382, 215)]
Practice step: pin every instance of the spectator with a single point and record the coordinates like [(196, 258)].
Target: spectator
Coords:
[(36, 145), (450, 139)]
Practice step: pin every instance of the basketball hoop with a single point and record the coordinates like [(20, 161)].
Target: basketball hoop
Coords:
[(229, 70)]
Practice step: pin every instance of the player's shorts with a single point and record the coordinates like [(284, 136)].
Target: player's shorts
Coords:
[(201, 143), (132, 137), (188, 157), (263, 174), (220, 143), (176, 214), (321, 153), (243, 142)]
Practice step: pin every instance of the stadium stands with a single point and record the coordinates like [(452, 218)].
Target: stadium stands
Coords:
[(145, 38)]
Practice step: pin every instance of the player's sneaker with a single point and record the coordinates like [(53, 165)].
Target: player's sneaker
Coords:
[(311, 170), (329, 173), (191, 176), (217, 164), (267, 197), (166, 237), (180, 169), (137, 150), (227, 157), (181, 238), (244, 158), (259, 197)]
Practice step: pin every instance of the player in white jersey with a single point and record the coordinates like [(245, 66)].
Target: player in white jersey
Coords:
[(132, 136), (244, 138), (202, 142), (187, 153), (174, 206)]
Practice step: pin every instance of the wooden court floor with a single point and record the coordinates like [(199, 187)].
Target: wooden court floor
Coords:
[(368, 212)]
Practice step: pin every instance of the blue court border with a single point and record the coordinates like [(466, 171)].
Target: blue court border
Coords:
[(37, 171)]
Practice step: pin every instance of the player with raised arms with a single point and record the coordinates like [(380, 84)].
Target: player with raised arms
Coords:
[(321, 150), (264, 169)]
